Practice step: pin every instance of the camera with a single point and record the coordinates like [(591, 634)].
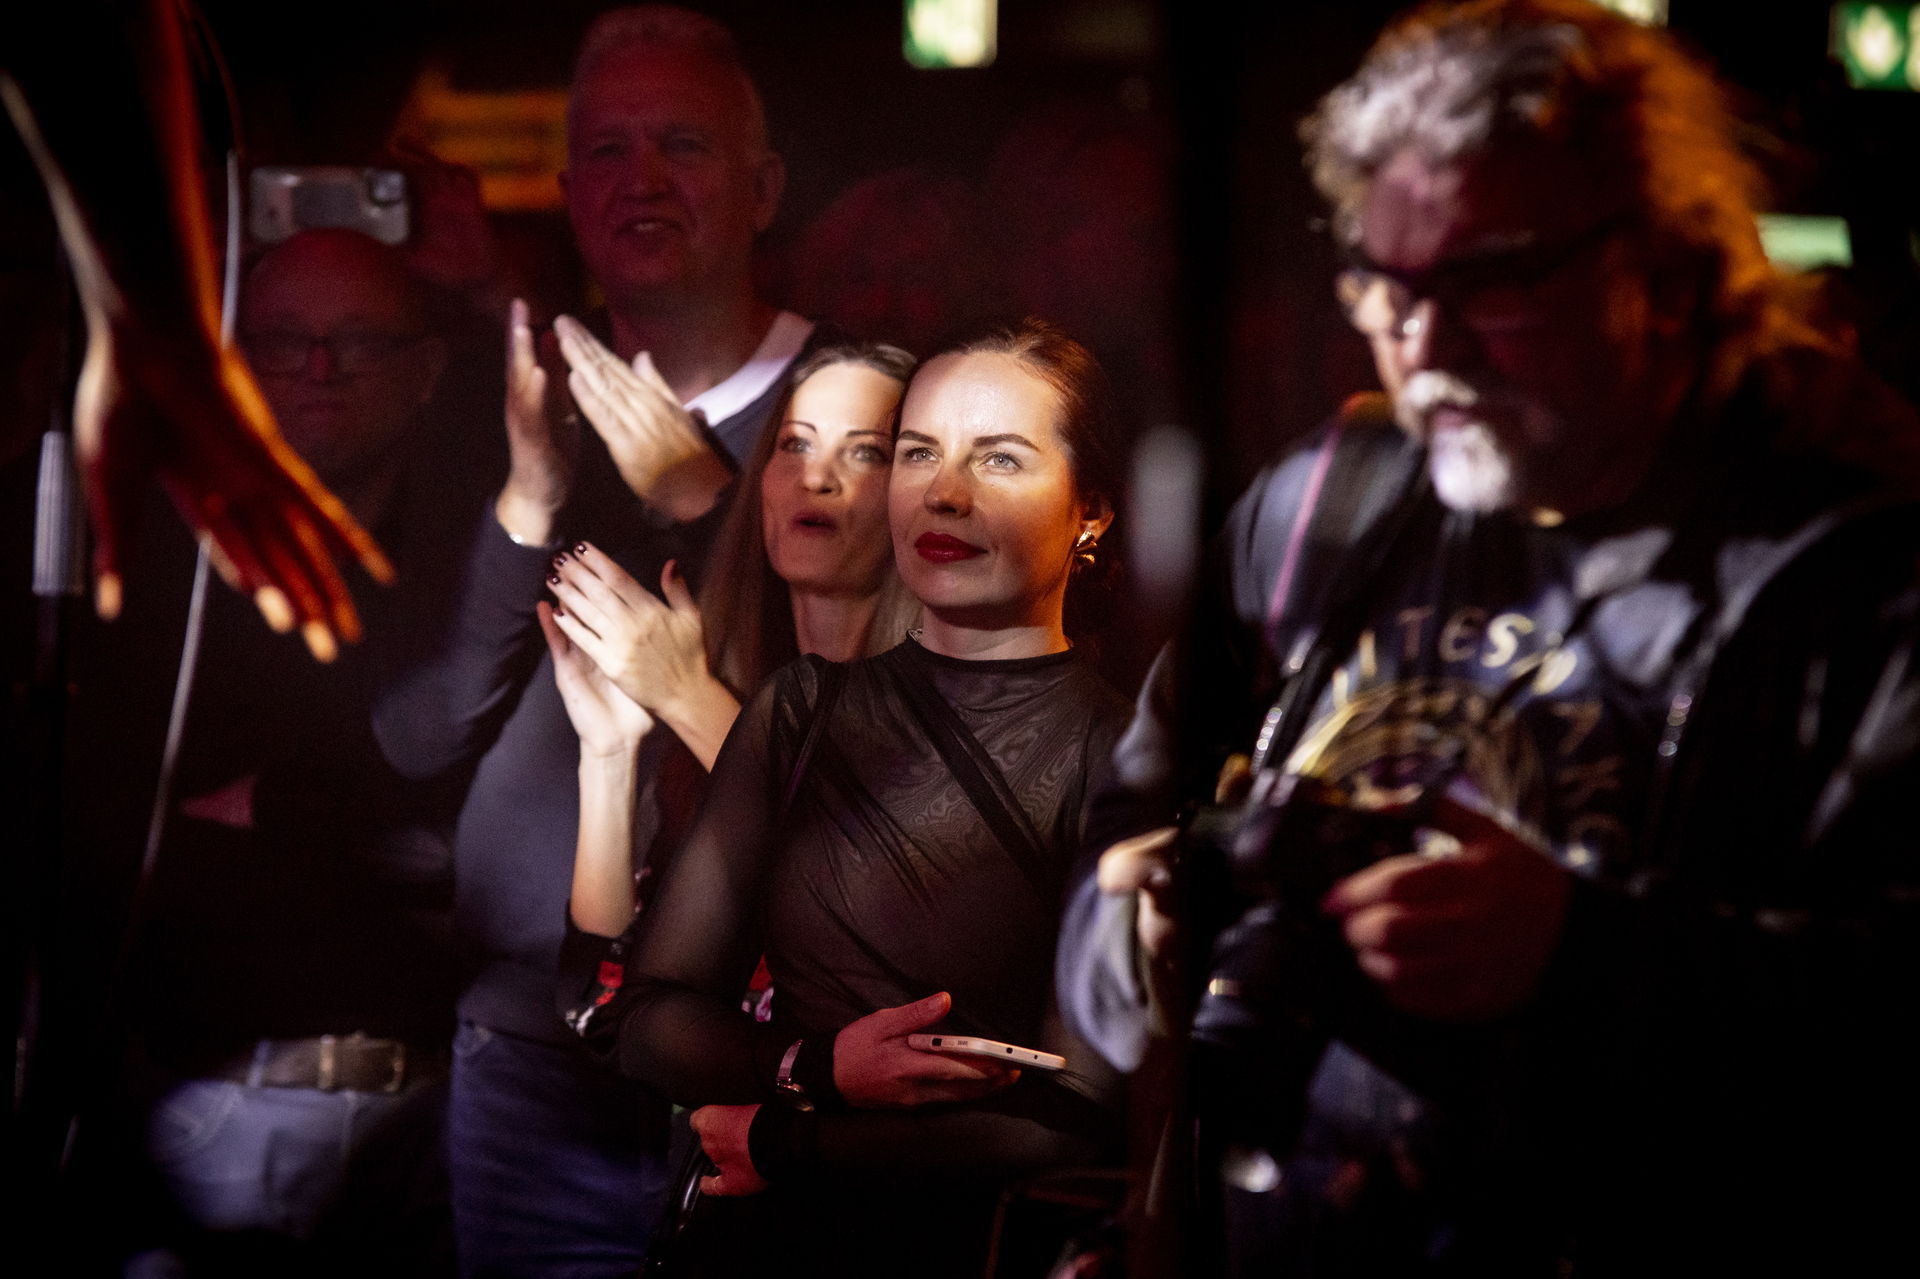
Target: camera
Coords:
[(1279, 973)]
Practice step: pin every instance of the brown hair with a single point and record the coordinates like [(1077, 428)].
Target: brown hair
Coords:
[(745, 609)]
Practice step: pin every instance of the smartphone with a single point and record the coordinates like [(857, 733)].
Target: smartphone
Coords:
[(974, 1046), (285, 200)]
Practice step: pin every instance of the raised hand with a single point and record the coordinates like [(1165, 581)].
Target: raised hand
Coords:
[(874, 1067), (660, 451), (452, 244), (543, 443), (609, 722), (653, 652)]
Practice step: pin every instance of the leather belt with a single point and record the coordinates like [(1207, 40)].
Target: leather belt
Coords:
[(331, 1063)]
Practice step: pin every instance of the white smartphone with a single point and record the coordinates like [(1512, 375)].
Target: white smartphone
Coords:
[(974, 1046)]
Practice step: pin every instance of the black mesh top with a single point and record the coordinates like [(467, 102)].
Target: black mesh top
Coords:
[(879, 884)]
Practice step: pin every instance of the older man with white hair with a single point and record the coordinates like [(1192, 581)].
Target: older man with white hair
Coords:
[(1578, 932)]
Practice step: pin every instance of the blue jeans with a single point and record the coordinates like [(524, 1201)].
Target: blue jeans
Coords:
[(300, 1174), (558, 1166)]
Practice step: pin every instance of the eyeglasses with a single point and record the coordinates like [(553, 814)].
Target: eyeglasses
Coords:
[(351, 352), (1491, 293)]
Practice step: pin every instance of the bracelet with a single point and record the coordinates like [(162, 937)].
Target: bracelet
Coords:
[(517, 540), (790, 1090)]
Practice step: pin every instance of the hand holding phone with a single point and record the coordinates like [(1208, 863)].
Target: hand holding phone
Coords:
[(991, 1049), (875, 1066)]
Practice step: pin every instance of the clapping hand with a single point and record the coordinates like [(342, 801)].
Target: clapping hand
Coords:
[(610, 723), (543, 443), (659, 449), (652, 651)]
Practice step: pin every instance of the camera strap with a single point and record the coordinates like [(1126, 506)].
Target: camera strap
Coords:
[(1361, 536)]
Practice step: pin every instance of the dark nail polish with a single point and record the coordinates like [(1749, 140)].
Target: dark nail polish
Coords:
[(558, 611), (560, 559), (553, 579), (580, 548)]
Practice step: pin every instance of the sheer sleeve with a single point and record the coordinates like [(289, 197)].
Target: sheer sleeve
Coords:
[(674, 1018)]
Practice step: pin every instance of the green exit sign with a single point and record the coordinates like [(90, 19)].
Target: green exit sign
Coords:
[(1648, 13), (1878, 44), (951, 33)]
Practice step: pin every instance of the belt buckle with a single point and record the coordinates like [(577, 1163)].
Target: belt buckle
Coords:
[(327, 1077)]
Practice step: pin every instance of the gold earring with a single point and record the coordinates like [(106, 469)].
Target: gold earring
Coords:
[(1085, 545)]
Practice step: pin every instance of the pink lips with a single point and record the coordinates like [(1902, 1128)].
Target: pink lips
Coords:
[(815, 522), (944, 548)]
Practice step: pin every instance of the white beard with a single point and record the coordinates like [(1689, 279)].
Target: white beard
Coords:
[(1470, 468)]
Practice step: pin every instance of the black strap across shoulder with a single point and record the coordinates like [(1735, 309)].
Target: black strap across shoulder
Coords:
[(832, 676), (985, 785)]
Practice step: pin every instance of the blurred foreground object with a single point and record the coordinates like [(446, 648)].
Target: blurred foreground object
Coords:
[(160, 394)]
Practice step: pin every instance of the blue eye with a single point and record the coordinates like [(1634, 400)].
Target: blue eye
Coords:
[(1001, 461), (871, 453), (916, 453)]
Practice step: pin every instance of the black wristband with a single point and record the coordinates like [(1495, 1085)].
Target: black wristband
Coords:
[(781, 1140)]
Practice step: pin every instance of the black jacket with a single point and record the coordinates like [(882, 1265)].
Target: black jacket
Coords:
[(1717, 1056)]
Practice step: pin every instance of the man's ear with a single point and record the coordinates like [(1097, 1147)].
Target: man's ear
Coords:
[(769, 182)]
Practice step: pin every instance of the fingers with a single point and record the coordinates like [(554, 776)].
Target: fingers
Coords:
[(526, 377), (343, 619), (579, 635), (1408, 929), (907, 1018), (1137, 863), (557, 642), (600, 412), (649, 374), (723, 1133), (590, 560), (586, 598), (1409, 879), (520, 357), (339, 528), (587, 356), (673, 589), (636, 391), (257, 565)]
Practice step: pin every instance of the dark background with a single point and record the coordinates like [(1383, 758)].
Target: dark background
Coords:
[(1228, 83)]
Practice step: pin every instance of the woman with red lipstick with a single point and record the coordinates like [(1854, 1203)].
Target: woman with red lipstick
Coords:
[(894, 835), (801, 565)]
